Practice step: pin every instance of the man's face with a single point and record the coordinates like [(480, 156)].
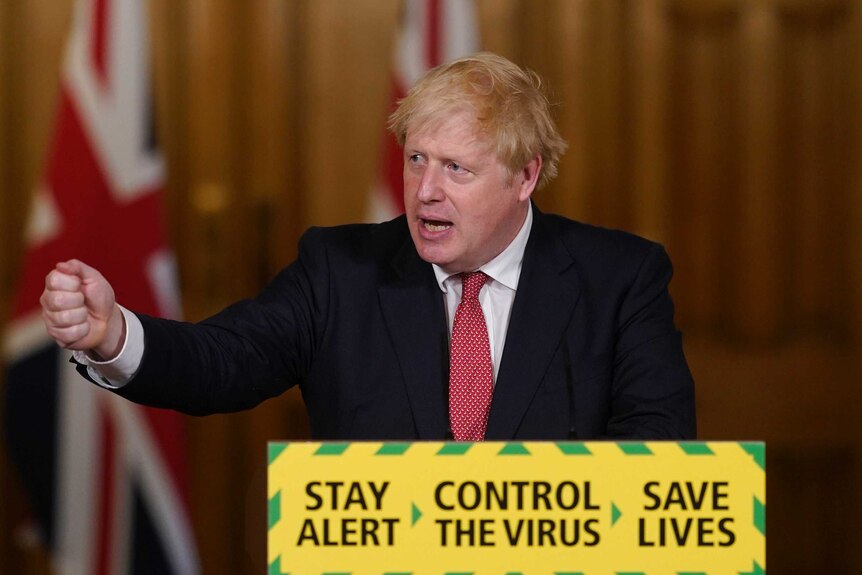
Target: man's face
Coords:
[(463, 207)]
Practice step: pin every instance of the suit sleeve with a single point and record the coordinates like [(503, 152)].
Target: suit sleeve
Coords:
[(653, 391), (253, 350)]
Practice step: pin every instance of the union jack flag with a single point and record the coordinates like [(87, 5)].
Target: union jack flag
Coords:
[(105, 477), (432, 32)]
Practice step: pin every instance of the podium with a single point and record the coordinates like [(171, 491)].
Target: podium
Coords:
[(506, 508)]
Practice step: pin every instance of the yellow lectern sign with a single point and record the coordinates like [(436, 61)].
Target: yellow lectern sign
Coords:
[(593, 508)]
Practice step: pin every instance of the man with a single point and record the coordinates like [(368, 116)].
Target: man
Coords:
[(567, 331)]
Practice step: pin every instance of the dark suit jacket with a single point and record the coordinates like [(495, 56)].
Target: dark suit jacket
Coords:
[(358, 323)]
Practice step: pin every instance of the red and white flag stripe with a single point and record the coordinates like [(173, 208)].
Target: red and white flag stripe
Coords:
[(118, 469)]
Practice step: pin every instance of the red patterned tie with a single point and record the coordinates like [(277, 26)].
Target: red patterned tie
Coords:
[(471, 375)]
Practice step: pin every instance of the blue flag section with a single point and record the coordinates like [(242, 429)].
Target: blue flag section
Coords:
[(30, 415)]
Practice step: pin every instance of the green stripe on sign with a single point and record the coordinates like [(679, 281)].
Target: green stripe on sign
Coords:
[(695, 448), (275, 567), (331, 448), (274, 449), (514, 449), (455, 448), (459, 573), (756, 570), (760, 515), (393, 449), (337, 573), (572, 448), (630, 573), (632, 448), (274, 509), (398, 573), (514, 573), (757, 450), (415, 514)]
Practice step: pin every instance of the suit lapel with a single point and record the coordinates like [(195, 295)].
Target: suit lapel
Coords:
[(413, 311), (547, 294)]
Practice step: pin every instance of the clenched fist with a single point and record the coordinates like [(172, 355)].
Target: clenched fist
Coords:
[(80, 311)]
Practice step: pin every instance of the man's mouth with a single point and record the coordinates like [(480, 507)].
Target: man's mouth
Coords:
[(436, 225)]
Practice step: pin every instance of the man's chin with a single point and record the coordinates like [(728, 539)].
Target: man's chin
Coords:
[(435, 255)]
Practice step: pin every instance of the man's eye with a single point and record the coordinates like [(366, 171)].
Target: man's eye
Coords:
[(457, 168)]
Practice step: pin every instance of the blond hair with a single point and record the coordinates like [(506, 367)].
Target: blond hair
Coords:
[(508, 102)]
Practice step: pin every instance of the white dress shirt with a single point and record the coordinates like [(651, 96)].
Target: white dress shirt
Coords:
[(496, 298)]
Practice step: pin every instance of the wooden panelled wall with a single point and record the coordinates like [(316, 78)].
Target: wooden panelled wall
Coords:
[(729, 130)]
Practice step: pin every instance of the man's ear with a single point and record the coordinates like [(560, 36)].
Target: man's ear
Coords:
[(529, 177)]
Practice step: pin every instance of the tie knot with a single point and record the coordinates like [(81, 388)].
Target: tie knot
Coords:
[(472, 282)]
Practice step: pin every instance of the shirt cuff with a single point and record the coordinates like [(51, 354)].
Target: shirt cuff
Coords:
[(117, 372)]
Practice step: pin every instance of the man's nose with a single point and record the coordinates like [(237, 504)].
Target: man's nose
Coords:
[(430, 189)]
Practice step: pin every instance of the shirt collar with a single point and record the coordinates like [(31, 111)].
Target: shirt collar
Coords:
[(506, 267)]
